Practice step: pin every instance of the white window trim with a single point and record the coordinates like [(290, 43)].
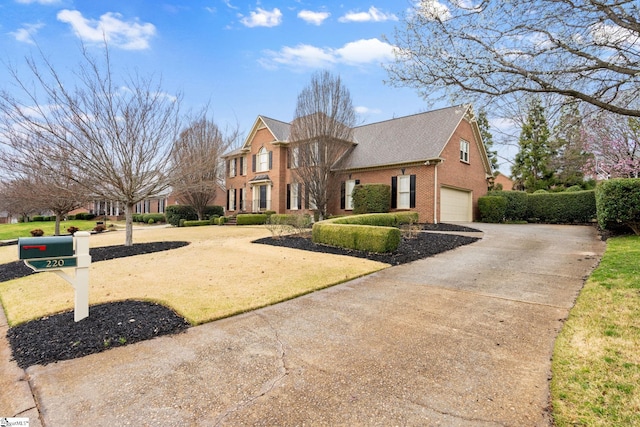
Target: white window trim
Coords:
[(244, 165), (464, 151), (348, 198), (263, 160), (232, 200), (232, 168), (404, 192)]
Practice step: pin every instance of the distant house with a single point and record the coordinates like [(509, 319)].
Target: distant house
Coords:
[(435, 163), (504, 181)]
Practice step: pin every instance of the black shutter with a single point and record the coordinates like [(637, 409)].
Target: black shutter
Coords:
[(235, 198), (270, 160), (299, 195), (288, 196), (289, 158), (235, 165), (394, 192), (241, 165), (342, 195), (228, 201), (306, 198), (253, 163), (412, 191), (240, 195)]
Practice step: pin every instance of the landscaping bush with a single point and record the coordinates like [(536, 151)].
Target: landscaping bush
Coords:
[(221, 220), (359, 237), (492, 208), (574, 188), (618, 203), (195, 223), (156, 217), (213, 210), (99, 228), (251, 219), (85, 216), (72, 229), (406, 218), (562, 208), (371, 198), (175, 213), (516, 209), (37, 232), (38, 218), (279, 224)]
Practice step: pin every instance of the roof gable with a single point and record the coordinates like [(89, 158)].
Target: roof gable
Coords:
[(414, 138), (278, 129)]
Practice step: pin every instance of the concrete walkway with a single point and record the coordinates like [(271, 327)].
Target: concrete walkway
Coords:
[(460, 339)]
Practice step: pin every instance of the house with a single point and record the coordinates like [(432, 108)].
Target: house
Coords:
[(435, 163), (505, 182)]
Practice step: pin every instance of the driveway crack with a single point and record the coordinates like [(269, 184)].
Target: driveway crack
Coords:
[(268, 386)]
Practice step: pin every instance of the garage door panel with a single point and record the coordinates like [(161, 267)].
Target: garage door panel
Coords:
[(455, 205)]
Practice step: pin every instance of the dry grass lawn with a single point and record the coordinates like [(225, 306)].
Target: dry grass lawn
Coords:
[(221, 273)]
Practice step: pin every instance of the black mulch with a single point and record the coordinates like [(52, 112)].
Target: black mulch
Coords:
[(410, 249), (58, 337)]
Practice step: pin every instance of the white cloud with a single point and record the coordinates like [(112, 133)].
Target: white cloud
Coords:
[(315, 18), (263, 18), (26, 33), (365, 51), (433, 10), (39, 1), (360, 52), (229, 5), (129, 35), (372, 15), (366, 110)]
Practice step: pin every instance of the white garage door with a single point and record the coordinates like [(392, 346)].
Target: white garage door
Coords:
[(455, 205)]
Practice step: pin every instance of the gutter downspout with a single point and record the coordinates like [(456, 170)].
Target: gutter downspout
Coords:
[(435, 192)]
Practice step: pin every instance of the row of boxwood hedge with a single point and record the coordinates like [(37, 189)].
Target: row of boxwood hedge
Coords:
[(368, 232), (175, 213), (618, 204), (556, 208)]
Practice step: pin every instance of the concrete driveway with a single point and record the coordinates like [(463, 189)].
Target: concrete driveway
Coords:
[(460, 339)]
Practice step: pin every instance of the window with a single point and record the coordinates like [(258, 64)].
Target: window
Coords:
[(243, 165), (231, 197), (294, 201), (232, 168), (464, 151), (349, 185), (263, 160), (403, 192)]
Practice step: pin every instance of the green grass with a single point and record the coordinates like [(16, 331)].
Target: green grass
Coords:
[(596, 362), (23, 229)]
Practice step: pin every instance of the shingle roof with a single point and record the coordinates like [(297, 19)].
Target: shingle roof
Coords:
[(280, 130), (419, 137)]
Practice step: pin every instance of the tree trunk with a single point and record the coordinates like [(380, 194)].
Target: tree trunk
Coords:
[(57, 229), (128, 215)]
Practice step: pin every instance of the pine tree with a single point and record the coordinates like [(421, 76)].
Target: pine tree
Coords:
[(531, 170), (568, 144)]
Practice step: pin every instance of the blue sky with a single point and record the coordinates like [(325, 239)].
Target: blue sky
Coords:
[(243, 58)]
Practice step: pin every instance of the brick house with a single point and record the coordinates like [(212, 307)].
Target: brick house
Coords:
[(435, 163)]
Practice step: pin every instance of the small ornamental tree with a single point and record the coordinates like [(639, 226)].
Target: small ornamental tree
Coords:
[(618, 202)]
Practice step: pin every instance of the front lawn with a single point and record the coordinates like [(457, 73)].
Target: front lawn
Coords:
[(596, 362), (221, 273), (23, 229)]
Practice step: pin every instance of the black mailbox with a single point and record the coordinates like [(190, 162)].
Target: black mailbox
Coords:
[(45, 247)]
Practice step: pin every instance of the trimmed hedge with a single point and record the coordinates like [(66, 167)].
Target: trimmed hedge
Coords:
[(368, 232), (492, 208), (175, 213), (618, 203), (516, 209), (195, 223), (251, 219), (371, 198), (562, 208)]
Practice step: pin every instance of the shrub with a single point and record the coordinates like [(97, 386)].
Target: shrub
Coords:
[(541, 191), (175, 213), (574, 188), (221, 220), (99, 228), (562, 208), (371, 198), (37, 218), (516, 209), (71, 217), (195, 223), (251, 219), (618, 202), (279, 224), (156, 217), (214, 210), (492, 208), (359, 237), (406, 218), (85, 216), (36, 232), (72, 229)]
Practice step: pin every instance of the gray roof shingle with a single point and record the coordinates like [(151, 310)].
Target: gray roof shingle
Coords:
[(418, 137), (279, 129)]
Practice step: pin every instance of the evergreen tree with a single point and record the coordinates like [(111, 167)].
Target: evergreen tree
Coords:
[(487, 138), (531, 170), (568, 144)]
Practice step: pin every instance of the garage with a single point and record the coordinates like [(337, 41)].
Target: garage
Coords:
[(455, 205)]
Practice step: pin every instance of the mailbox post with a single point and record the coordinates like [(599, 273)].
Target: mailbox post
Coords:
[(58, 252)]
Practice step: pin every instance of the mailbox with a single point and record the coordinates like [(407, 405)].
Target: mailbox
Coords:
[(45, 247)]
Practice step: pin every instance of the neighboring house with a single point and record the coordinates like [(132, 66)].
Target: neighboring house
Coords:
[(505, 181), (435, 163)]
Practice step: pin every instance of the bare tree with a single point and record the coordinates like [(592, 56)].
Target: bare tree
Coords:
[(321, 133), (198, 170), (120, 133), (13, 200), (587, 50)]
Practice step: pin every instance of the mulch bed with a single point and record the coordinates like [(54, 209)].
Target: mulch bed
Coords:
[(58, 337)]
